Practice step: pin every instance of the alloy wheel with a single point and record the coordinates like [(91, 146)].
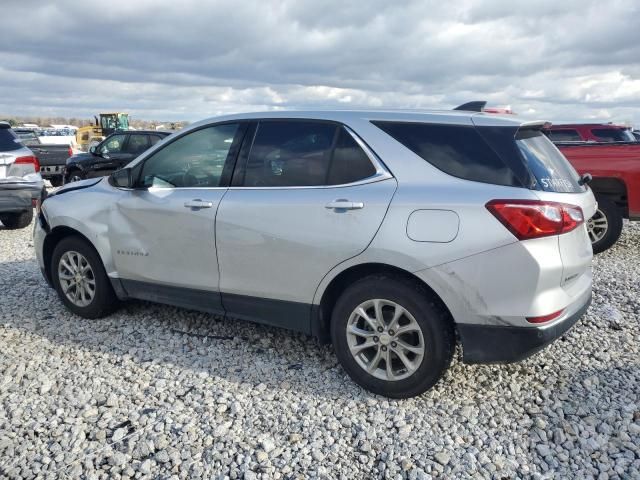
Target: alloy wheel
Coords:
[(76, 278), (597, 226), (385, 339)]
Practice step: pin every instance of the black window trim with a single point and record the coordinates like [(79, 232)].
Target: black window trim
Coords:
[(229, 165), (382, 173)]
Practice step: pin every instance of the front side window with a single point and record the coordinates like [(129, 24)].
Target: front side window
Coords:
[(196, 159), (138, 143), (113, 144)]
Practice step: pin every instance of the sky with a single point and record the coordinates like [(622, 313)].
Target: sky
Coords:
[(571, 60)]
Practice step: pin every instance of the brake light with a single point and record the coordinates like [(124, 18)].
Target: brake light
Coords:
[(528, 219), (545, 318), (70, 151), (30, 159)]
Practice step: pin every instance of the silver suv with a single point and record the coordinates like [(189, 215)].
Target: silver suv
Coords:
[(391, 234)]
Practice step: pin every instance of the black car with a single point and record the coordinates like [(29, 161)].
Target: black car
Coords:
[(113, 153)]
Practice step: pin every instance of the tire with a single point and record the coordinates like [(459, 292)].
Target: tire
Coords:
[(56, 181), (14, 221), (104, 300), (74, 175), (430, 327), (605, 226)]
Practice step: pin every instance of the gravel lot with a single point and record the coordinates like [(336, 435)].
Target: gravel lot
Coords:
[(159, 392)]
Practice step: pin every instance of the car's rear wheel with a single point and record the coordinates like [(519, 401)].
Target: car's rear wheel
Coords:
[(80, 279), (391, 337), (605, 226), (14, 221)]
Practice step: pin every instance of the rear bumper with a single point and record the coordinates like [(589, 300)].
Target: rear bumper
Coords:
[(508, 344)]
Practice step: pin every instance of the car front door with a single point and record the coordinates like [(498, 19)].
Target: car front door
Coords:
[(109, 155), (162, 232), (306, 196)]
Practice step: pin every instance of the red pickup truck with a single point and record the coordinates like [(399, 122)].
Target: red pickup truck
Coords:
[(615, 168)]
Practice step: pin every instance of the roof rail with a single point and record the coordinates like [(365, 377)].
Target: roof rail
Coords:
[(475, 106)]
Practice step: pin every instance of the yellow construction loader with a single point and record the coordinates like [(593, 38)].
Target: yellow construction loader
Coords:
[(106, 125)]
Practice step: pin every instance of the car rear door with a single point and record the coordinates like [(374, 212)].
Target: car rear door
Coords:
[(162, 232), (306, 196)]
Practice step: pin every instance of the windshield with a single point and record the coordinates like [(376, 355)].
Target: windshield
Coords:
[(9, 140), (552, 171), (123, 121)]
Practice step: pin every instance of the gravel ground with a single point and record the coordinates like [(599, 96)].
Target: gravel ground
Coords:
[(159, 392)]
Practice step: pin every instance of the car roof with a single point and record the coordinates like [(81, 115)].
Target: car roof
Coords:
[(154, 132), (347, 116)]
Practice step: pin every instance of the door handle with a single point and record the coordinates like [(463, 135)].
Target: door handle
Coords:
[(197, 203), (342, 204)]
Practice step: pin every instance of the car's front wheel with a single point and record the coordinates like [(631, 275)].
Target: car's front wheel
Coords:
[(80, 279), (391, 337)]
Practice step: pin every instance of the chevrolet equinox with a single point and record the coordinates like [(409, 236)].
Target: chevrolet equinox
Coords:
[(392, 234)]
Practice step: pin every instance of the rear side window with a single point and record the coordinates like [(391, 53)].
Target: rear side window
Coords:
[(552, 171), (349, 162), (564, 135), (137, 143), (304, 154), (457, 150), (8, 140)]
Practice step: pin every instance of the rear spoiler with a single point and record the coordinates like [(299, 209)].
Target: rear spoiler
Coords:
[(535, 125), (475, 106)]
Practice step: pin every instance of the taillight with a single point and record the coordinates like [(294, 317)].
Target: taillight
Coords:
[(528, 219), (30, 159), (70, 151)]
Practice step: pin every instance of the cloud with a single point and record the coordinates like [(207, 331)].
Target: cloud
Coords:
[(567, 60)]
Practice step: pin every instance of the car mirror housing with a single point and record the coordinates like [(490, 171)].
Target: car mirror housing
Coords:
[(122, 178), (93, 150)]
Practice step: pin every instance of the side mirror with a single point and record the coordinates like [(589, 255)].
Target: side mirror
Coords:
[(93, 150), (122, 178)]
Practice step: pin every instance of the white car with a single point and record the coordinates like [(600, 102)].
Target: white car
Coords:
[(20, 182)]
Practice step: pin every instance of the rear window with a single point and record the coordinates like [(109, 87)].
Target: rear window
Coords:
[(565, 135), (613, 135), (455, 149), (552, 171), (8, 140)]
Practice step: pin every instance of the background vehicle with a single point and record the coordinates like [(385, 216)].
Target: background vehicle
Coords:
[(52, 156), (589, 132), (636, 133), (113, 153), (385, 232), (106, 125), (616, 184), (20, 181)]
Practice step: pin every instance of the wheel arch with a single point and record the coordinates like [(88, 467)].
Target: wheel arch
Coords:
[(615, 189), (52, 239), (321, 313)]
